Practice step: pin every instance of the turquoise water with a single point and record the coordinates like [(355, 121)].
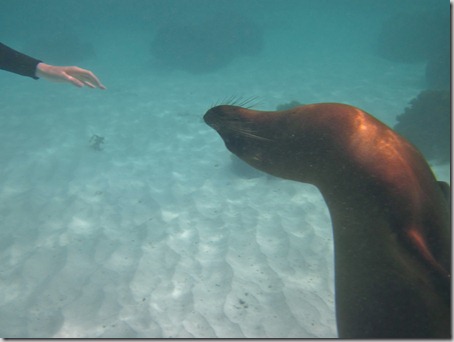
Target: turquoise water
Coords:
[(161, 233)]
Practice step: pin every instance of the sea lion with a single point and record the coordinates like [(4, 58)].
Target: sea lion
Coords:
[(390, 217)]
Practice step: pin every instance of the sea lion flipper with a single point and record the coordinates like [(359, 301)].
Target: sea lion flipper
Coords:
[(419, 242)]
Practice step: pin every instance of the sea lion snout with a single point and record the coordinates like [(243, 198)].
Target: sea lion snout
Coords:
[(211, 118), (221, 120), (227, 117), (232, 124)]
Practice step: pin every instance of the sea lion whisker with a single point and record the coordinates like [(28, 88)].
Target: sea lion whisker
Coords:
[(247, 132), (239, 101), (252, 135), (245, 102)]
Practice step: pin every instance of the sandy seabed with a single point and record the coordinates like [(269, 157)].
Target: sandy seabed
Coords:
[(161, 234)]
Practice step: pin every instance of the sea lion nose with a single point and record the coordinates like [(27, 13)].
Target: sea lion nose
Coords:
[(212, 118)]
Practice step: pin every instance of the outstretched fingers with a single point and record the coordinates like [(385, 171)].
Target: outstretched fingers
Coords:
[(81, 77), (71, 74)]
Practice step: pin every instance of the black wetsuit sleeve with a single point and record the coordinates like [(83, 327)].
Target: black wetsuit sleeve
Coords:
[(14, 61)]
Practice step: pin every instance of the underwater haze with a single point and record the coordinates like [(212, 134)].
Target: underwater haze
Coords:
[(123, 215)]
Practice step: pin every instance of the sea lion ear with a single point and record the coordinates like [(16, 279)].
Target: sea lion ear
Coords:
[(446, 190)]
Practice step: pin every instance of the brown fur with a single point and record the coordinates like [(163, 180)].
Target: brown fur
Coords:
[(391, 221)]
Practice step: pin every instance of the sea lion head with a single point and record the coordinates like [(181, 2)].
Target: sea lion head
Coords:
[(321, 144), (268, 141)]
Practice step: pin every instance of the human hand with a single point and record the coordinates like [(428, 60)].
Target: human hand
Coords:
[(71, 74)]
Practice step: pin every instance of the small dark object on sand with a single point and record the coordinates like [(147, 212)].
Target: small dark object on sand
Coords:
[(95, 142)]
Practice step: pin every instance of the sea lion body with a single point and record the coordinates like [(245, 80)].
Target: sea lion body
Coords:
[(391, 219)]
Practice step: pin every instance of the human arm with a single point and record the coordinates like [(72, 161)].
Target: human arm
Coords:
[(21, 64), (17, 62), (72, 74)]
